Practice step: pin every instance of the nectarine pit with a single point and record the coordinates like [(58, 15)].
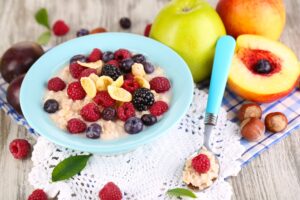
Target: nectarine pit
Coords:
[(255, 58)]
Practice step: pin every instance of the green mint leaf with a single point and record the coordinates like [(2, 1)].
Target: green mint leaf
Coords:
[(41, 16), (44, 38), (69, 167), (181, 192)]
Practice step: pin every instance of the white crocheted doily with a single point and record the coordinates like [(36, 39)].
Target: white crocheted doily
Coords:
[(148, 172)]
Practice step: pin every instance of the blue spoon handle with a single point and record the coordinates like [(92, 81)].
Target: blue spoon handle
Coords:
[(222, 62)]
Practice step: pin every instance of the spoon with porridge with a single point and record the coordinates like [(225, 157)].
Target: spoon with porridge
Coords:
[(202, 168)]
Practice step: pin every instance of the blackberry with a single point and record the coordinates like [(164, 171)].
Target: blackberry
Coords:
[(111, 71), (143, 98)]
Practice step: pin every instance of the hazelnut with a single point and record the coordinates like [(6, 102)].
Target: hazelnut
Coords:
[(276, 122), (249, 110), (252, 129)]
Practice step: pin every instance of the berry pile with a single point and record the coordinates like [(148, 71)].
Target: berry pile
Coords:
[(110, 86)]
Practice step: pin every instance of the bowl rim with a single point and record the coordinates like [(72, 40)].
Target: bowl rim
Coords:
[(35, 120)]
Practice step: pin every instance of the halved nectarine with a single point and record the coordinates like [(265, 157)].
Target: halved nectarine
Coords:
[(263, 70)]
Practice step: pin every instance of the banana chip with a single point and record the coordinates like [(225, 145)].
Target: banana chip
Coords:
[(94, 77), (94, 65), (119, 82), (142, 82), (138, 70), (89, 86), (119, 94), (103, 82)]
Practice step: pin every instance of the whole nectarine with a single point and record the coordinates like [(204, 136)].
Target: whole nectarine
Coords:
[(259, 17)]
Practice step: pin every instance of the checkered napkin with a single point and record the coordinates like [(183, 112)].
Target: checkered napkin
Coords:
[(289, 105)]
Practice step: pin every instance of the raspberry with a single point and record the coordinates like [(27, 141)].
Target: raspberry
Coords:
[(95, 55), (142, 99), (75, 91), (122, 54), (160, 84), (102, 98), (130, 85), (113, 62), (147, 30), (56, 84), (19, 148), (110, 191), (201, 163), (126, 111), (128, 76), (90, 112), (76, 69), (159, 108), (38, 194), (111, 71), (87, 72), (60, 28), (76, 125)]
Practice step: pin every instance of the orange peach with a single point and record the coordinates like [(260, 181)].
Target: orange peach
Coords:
[(259, 17), (263, 70)]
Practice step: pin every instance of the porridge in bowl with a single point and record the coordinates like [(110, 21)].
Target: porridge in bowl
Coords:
[(107, 95)]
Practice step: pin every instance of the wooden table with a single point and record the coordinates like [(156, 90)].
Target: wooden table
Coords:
[(274, 175)]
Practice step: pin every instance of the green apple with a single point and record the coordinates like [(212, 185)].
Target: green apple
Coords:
[(191, 28)]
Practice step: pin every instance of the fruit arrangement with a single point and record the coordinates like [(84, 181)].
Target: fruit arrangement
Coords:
[(108, 94)]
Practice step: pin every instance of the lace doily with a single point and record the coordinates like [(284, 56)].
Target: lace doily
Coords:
[(148, 172)]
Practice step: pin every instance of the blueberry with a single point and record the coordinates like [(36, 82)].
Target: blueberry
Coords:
[(109, 113), (126, 65), (138, 58), (148, 67), (79, 57), (263, 66), (93, 131), (133, 125), (125, 23), (82, 32), (149, 119), (107, 56), (51, 106)]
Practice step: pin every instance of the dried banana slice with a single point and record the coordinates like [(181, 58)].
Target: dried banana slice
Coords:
[(103, 82), (119, 94), (89, 86)]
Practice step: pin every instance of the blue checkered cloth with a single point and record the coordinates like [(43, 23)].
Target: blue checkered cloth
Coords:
[(289, 105)]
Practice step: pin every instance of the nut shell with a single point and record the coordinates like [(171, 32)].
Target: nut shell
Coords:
[(276, 122), (252, 129), (249, 110)]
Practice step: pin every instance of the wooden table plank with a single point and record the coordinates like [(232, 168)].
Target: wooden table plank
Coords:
[(274, 175)]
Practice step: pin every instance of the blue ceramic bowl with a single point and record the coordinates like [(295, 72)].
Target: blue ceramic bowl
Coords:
[(34, 86)]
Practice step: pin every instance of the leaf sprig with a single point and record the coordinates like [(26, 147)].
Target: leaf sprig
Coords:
[(181, 192), (41, 17), (69, 167)]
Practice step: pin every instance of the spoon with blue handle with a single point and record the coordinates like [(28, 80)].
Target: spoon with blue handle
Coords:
[(221, 66), (222, 62)]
